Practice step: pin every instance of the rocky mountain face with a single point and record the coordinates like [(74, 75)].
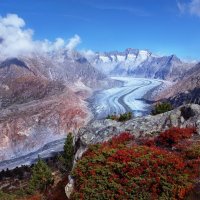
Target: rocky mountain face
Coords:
[(140, 63), (102, 130), (187, 90), (42, 99), (179, 99)]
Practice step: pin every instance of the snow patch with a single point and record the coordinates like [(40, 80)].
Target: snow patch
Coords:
[(105, 59), (131, 57), (120, 58)]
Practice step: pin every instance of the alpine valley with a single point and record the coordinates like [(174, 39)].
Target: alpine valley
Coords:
[(100, 100), (43, 97)]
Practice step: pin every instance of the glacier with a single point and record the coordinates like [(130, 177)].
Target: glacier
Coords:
[(123, 99)]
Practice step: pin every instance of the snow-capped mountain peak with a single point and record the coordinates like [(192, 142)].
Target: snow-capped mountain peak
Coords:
[(140, 63)]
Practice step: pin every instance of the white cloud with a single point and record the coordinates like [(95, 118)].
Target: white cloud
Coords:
[(14, 39), (193, 7), (73, 42), (48, 46), (89, 54), (12, 20), (181, 7), (59, 43), (17, 40)]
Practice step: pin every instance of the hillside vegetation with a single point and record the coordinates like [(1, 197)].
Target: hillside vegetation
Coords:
[(164, 167)]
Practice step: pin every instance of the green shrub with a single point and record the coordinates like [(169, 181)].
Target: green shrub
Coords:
[(161, 108), (5, 196), (121, 118)]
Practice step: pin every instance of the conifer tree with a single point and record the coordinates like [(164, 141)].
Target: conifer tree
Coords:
[(67, 157), (41, 176), (69, 152)]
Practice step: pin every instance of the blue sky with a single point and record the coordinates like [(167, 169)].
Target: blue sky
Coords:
[(162, 26)]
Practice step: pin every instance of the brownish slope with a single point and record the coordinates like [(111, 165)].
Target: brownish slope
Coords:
[(35, 108), (189, 82)]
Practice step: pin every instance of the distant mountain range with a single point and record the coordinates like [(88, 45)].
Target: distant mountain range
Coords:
[(140, 63)]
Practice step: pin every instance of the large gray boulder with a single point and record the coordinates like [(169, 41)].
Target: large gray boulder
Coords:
[(103, 130)]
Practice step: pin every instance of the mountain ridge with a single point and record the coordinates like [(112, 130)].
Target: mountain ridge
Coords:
[(140, 63)]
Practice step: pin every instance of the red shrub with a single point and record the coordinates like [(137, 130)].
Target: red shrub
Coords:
[(137, 172), (34, 197), (189, 150), (173, 136), (192, 151), (150, 142), (121, 139)]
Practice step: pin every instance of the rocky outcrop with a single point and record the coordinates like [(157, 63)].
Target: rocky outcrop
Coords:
[(69, 187), (103, 130)]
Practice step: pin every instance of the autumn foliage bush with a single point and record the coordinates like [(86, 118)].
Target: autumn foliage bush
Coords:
[(173, 136), (192, 151), (119, 140), (118, 170), (34, 197)]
